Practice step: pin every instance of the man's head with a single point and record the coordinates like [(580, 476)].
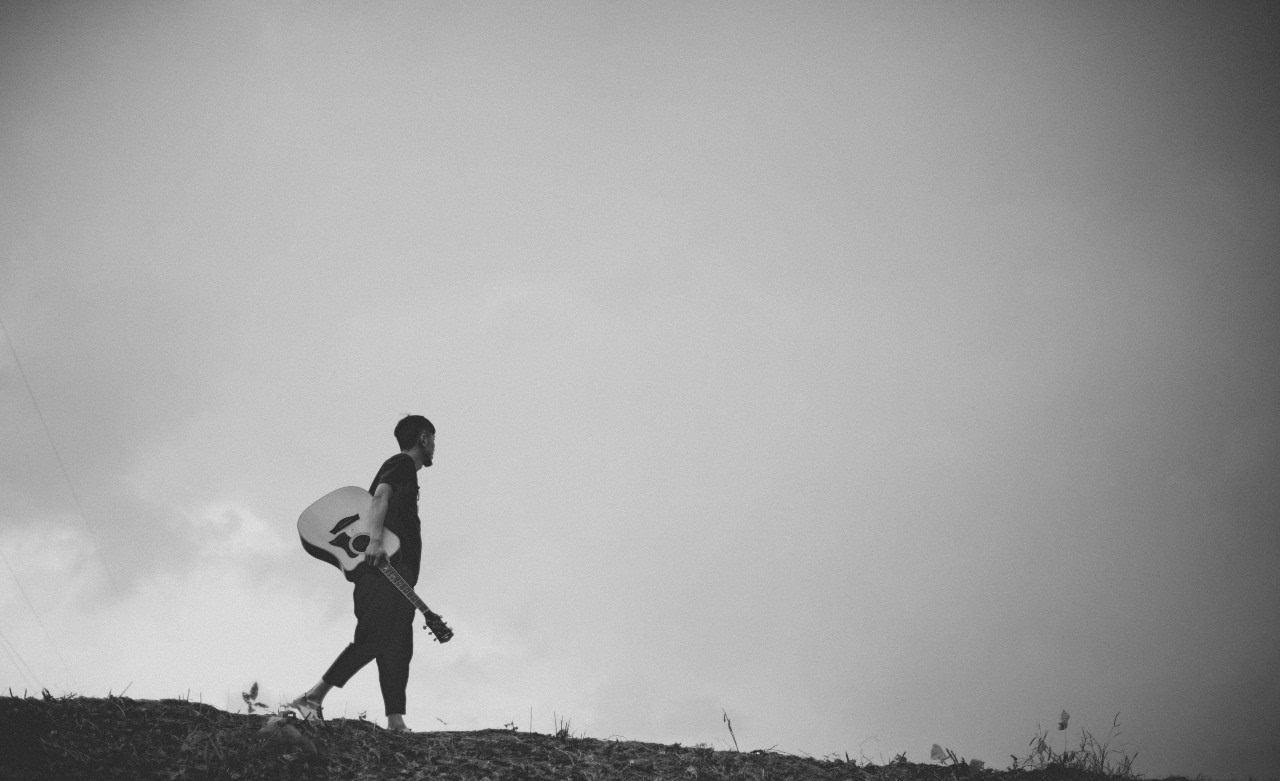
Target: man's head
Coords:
[(416, 431)]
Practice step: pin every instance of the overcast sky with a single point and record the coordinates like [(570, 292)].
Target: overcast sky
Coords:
[(879, 374)]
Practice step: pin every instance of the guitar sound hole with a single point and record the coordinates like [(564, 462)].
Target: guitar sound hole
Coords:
[(360, 543)]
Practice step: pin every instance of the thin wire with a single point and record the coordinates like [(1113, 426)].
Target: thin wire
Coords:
[(36, 613), (84, 518), (22, 663)]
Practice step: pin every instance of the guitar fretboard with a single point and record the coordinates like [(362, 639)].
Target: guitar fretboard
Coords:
[(403, 585), (439, 629)]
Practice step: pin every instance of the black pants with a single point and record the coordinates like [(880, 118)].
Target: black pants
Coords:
[(384, 632)]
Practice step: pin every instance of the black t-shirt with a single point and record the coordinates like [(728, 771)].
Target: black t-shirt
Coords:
[(401, 474)]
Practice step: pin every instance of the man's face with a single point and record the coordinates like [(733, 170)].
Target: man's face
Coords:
[(428, 448)]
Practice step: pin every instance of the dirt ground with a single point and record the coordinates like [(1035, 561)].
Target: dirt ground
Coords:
[(119, 738)]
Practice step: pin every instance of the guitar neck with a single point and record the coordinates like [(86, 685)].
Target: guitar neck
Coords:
[(439, 629), (403, 585)]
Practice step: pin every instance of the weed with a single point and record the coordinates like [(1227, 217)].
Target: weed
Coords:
[(250, 698), (562, 728), (940, 754), (1092, 755), (730, 725)]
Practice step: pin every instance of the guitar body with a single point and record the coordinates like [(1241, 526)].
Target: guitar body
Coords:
[(335, 529)]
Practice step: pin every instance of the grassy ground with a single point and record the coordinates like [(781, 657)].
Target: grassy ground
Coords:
[(86, 738)]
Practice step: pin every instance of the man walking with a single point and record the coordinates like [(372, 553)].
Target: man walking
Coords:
[(384, 618)]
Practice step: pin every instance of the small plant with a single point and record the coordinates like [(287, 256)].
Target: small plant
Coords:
[(250, 698), (729, 724), (1092, 755), (562, 728), (940, 754)]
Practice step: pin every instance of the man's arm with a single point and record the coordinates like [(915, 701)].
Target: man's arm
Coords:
[(377, 517)]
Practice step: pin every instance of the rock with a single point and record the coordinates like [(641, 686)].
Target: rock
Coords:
[(283, 737)]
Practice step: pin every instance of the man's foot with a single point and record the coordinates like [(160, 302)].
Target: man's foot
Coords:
[(396, 724), (307, 709)]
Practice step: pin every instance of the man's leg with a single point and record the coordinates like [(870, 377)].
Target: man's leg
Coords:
[(394, 656), (356, 655), (316, 693), (352, 659), (364, 646)]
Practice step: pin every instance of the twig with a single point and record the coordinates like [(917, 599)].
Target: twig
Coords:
[(76, 755), (730, 723)]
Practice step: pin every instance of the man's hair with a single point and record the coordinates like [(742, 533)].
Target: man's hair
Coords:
[(410, 428)]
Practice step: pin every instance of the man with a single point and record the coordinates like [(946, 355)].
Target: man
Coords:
[(384, 618)]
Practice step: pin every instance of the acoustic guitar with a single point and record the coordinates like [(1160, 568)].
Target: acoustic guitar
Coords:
[(335, 529)]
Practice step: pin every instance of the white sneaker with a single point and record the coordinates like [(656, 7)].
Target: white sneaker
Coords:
[(307, 709)]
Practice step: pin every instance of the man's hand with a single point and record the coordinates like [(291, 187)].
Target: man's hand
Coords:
[(374, 554)]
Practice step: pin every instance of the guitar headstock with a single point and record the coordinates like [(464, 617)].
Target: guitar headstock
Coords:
[(438, 627)]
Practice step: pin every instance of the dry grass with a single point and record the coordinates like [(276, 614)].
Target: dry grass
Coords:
[(1092, 755), (84, 738)]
